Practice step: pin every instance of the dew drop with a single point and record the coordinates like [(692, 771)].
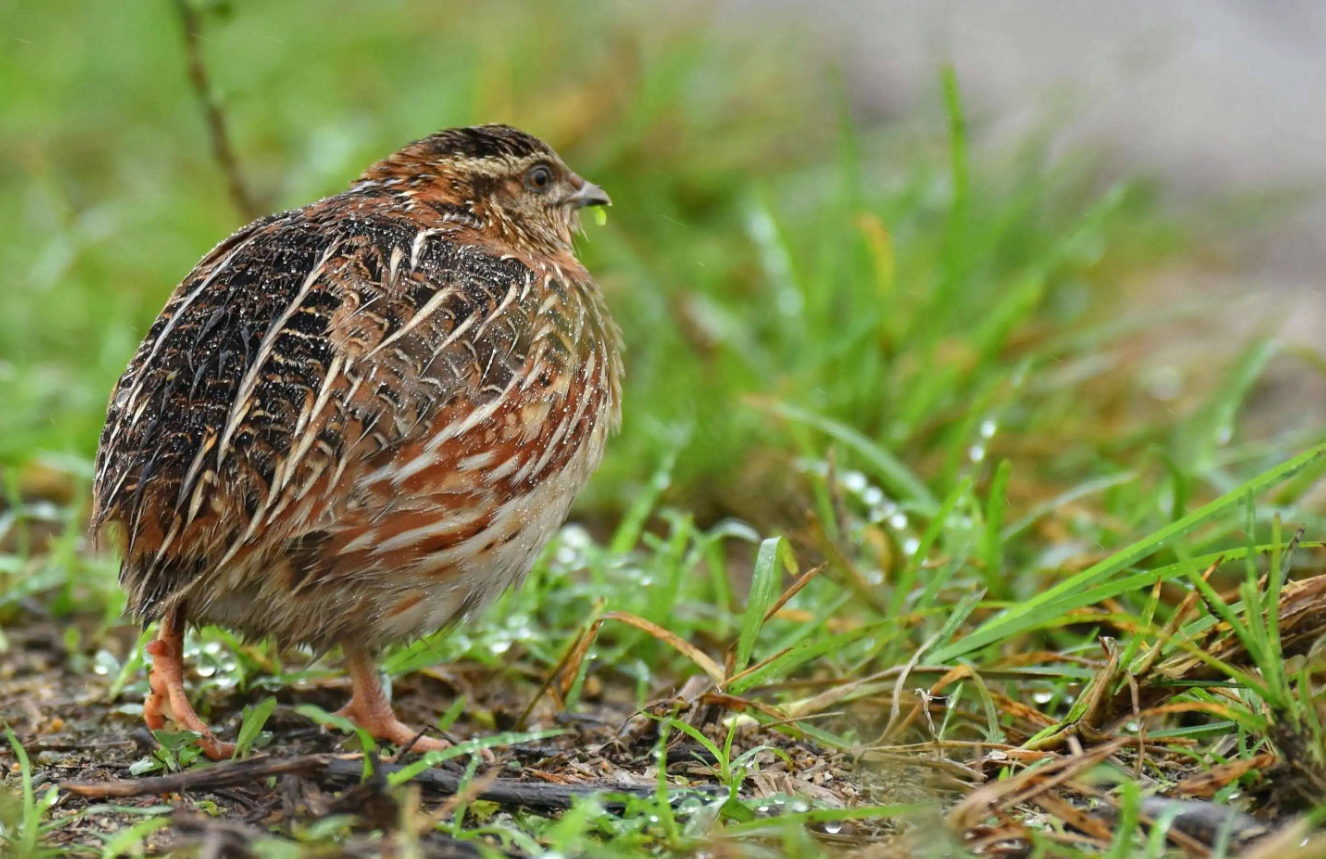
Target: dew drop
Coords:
[(105, 662), (833, 827), (1164, 383)]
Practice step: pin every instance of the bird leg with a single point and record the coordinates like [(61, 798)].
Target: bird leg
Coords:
[(370, 709), (167, 691)]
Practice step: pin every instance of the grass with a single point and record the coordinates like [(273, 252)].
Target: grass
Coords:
[(901, 479)]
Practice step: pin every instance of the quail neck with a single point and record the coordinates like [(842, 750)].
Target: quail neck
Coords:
[(512, 190)]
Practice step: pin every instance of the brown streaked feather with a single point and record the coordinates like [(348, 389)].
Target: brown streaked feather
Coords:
[(368, 400)]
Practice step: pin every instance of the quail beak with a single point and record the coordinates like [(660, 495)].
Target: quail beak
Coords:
[(589, 194)]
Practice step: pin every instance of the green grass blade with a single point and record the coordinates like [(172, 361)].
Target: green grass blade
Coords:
[(628, 532), (254, 719), (890, 470), (1033, 611), (763, 590), (992, 545), (28, 832), (938, 525)]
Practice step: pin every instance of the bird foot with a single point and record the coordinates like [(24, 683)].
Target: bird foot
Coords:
[(370, 710), (166, 680), (382, 724)]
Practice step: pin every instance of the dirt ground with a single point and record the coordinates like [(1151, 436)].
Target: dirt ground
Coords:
[(59, 706)]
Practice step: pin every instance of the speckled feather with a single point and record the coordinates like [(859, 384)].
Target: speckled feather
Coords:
[(361, 419)]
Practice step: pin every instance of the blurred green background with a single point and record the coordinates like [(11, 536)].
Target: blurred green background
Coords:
[(786, 270)]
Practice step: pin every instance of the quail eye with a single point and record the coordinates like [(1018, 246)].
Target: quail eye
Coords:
[(539, 178)]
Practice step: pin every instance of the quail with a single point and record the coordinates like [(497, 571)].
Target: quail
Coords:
[(356, 422)]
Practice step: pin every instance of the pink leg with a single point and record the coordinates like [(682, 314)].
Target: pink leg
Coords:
[(370, 709), (167, 682)]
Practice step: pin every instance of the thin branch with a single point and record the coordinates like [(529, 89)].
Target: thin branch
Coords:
[(212, 112), (347, 770)]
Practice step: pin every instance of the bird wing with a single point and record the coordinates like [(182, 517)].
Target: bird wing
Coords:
[(296, 360)]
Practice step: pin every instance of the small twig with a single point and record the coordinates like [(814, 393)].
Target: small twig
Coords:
[(792, 591), (215, 116), (227, 774), (895, 710), (348, 769)]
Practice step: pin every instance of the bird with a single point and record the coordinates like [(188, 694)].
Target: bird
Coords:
[(357, 422)]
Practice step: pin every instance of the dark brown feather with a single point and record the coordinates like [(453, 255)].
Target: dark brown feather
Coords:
[(339, 420)]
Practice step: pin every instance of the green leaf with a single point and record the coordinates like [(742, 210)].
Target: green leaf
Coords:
[(174, 741), (144, 765), (254, 719)]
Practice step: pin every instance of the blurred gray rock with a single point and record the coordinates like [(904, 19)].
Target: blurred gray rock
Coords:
[(1218, 97)]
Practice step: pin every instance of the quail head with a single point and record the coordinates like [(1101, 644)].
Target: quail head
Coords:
[(355, 422)]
